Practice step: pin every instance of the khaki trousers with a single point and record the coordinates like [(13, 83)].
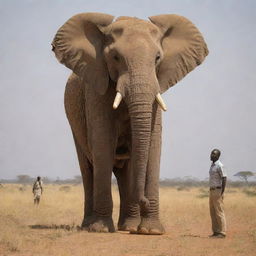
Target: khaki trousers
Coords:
[(217, 212)]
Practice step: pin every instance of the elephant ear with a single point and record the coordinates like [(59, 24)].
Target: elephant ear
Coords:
[(183, 48), (78, 44)]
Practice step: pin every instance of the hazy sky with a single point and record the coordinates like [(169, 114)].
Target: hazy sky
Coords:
[(214, 106)]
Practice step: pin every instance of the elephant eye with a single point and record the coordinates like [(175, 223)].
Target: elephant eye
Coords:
[(158, 57), (116, 57)]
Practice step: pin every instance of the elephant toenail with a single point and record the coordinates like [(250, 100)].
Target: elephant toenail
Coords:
[(143, 230), (154, 231)]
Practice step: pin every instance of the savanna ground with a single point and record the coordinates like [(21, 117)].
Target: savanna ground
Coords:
[(51, 228)]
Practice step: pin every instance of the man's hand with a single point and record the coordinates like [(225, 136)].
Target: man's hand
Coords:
[(224, 182)]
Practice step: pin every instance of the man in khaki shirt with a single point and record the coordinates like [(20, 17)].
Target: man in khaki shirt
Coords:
[(37, 190), (217, 182)]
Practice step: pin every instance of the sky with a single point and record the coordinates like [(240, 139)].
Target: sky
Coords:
[(212, 107)]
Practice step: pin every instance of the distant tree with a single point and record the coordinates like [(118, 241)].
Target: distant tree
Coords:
[(78, 179), (244, 176), (46, 180), (57, 181), (24, 179)]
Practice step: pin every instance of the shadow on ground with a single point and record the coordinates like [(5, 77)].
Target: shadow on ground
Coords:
[(194, 236), (53, 226)]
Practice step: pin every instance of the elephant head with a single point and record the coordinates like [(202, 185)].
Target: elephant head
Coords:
[(143, 58)]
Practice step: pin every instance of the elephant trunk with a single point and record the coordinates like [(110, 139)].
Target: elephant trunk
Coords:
[(140, 110)]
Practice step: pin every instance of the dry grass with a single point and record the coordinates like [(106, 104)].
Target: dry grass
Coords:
[(50, 229)]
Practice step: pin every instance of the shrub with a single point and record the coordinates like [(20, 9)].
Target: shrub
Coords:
[(250, 192), (65, 188)]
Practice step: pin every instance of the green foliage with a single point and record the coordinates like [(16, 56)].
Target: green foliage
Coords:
[(250, 192), (244, 175)]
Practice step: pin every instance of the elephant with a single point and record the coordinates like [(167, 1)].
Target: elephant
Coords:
[(120, 67)]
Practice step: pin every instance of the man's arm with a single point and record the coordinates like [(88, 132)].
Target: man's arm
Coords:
[(224, 182)]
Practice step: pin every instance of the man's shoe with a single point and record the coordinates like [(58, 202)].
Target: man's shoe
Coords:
[(220, 235), (213, 235)]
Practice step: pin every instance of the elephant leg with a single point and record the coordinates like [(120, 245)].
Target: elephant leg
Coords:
[(102, 144), (87, 175), (150, 223), (129, 215), (75, 111)]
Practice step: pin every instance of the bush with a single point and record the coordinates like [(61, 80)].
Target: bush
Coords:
[(22, 189), (183, 188), (65, 188), (203, 193), (250, 192)]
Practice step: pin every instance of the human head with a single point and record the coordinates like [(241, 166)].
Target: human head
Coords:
[(215, 155), (38, 178)]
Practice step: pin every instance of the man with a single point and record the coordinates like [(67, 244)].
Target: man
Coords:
[(217, 182), (37, 190)]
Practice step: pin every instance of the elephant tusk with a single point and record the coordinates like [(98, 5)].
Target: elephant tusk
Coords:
[(117, 100), (160, 101)]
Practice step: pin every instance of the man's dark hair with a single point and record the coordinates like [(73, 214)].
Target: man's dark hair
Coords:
[(38, 178), (217, 150)]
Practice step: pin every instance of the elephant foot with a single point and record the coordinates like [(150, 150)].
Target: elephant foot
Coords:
[(129, 224), (88, 220), (150, 226), (102, 225)]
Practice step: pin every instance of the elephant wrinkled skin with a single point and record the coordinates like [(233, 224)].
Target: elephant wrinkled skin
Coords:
[(113, 104)]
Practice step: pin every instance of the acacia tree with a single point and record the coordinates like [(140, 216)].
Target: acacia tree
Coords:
[(244, 175), (24, 179)]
